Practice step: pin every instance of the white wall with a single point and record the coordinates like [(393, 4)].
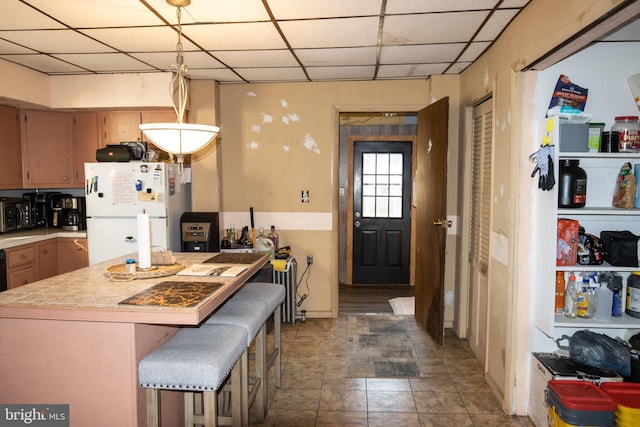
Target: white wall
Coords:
[(603, 69)]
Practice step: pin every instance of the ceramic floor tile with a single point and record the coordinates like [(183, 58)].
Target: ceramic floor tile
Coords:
[(341, 419), (343, 400), (390, 401), (302, 400), (290, 417), (393, 419), (316, 390), (481, 403), (388, 384), (437, 382), (446, 420), (431, 402)]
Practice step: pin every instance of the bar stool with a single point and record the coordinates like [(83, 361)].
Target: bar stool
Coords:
[(249, 314), (197, 360), (273, 295)]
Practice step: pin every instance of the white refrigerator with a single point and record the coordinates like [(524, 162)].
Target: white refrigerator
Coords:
[(117, 192)]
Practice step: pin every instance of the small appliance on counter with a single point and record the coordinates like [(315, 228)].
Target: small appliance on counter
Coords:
[(74, 213), (68, 212), (15, 214), (200, 232), (41, 210)]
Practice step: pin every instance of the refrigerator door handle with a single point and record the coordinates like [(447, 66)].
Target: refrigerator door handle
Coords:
[(130, 239)]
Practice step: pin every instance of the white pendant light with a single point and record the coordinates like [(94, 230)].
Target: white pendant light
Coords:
[(179, 138)]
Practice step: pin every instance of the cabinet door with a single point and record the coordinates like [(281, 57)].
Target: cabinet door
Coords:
[(47, 259), (158, 116), (72, 254), (47, 156), (17, 278), (10, 161), (119, 126), (85, 143)]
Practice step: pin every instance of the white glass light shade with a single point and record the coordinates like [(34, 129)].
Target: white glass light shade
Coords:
[(179, 138)]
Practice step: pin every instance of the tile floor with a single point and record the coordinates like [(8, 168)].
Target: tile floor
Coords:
[(315, 390)]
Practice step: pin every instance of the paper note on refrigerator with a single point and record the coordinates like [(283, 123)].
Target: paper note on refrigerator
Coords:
[(123, 187)]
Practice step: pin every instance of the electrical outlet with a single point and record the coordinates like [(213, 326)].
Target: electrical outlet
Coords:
[(309, 259)]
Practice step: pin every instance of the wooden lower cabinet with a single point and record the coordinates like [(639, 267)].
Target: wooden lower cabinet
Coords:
[(72, 254), (22, 267), (37, 261), (47, 259)]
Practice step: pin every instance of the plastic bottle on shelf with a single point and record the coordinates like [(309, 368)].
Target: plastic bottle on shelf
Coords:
[(614, 282), (560, 285), (571, 298), (583, 308), (604, 302)]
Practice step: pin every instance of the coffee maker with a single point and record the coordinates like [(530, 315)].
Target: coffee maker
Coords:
[(69, 212), (41, 210)]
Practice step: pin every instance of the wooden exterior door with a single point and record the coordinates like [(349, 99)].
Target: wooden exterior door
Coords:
[(381, 216), (430, 208)]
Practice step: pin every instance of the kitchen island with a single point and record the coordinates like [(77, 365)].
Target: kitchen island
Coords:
[(77, 338)]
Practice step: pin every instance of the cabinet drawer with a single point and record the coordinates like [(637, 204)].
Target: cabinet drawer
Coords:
[(17, 278), (20, 256)]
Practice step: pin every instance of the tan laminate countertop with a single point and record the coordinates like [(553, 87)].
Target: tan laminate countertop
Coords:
[(88, 294), (10, 240)]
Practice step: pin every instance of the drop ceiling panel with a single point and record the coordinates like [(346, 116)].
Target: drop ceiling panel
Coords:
[(432, 27), (341, 73), (213, 11), (339, 56), (222, 75), (139, 39), (248, 58), (38, 62), (474, 50), (106, 62), (272, 74), (346, 32), (420, 53), (496, 23), (247, 36), (162, 60), (12, 48), (55, 41), (422, 6), (296, 9), (237, 41), (92, 14), (413, 71), (18, 16)]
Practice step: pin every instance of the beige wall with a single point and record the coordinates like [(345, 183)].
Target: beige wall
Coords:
[(278, 139)]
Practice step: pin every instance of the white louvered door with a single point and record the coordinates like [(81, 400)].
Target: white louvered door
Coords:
[(480, 228)]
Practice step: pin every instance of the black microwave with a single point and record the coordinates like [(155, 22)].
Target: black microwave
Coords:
[(15, 214)]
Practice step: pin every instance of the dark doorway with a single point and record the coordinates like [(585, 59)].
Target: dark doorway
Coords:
[(381, 212)]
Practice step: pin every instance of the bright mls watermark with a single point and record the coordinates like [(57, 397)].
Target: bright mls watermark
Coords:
[(34, 415)]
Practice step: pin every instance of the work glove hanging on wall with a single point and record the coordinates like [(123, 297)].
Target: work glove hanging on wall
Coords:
[(543, 159)]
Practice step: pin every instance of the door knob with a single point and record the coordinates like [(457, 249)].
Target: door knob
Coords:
[(357, 223), (443, 223)]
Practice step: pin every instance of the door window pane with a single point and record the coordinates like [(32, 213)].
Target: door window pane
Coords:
[(382, 185)]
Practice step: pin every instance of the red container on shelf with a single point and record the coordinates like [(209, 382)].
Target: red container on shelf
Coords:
[(627, 397), (579, 403)]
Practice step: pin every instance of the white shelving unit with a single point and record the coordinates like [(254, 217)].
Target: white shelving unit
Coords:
[(602, 170)]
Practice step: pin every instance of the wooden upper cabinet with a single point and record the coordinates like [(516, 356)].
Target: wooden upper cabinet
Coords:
[(11, 160), (85, 143), (120, 126), (47, 157)]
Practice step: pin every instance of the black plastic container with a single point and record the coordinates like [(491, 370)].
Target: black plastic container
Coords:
[(572, 190)]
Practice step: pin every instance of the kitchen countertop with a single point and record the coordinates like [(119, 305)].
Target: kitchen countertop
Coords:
[(10, 240), (90, 294)]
